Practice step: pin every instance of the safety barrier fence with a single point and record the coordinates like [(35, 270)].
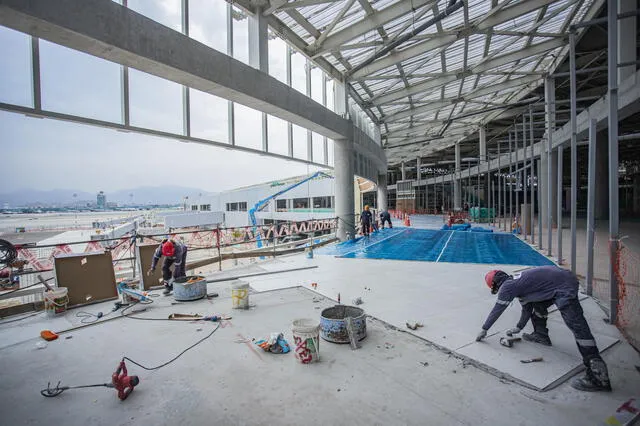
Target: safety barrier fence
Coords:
[(204, 246)]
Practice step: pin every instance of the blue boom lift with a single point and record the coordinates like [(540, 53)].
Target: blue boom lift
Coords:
[(263, 203)]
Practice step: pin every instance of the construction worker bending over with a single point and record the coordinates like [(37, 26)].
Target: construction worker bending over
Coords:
[(365, 219), (175, 253), (539, 288), (385, 217)]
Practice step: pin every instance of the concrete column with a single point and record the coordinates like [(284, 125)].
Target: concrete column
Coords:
[(345, 199), (483, 144), (457, 201), (418, 170), (601, 211), (626, 33), (481, 164), (403, 171), (382, 192)]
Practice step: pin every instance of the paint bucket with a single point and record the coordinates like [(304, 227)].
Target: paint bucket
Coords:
[(306, 338), (309, 252), (240, 295), (55, 301)]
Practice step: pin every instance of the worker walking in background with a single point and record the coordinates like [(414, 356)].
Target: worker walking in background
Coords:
[(538, 288), (365, 220), (175, 253), (385, 217)]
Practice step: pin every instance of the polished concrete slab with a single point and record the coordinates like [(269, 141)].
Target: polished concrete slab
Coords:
[(452, 302)]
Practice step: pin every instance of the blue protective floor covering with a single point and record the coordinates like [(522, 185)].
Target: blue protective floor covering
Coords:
[(439, 246)]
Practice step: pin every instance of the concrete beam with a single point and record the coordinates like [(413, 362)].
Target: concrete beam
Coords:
[(110, 31)]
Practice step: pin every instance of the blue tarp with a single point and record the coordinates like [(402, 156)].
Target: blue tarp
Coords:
[(437, 245)]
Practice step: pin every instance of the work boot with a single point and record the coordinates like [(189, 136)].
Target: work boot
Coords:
[(596, 379), (167, 289), (536, 337)]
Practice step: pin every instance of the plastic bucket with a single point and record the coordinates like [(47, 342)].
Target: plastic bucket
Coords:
[(306, 338), (55, 301), (240, 295)]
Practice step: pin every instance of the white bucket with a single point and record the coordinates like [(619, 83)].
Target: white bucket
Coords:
[(240, 295), (55, 301), (306, 339)]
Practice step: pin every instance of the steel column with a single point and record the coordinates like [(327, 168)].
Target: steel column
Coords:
[(539, 196), (591, 204), (524, 174), (549, 89), (613, 157), (307, 71), (531, 187), (289, 125), (325, 140), (517, 217), (499, 185), (574, 148), (230, 110), (36, 90), (510, 183), (186, 104), (559, 203)]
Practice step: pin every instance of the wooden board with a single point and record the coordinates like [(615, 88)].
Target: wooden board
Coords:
[(145, 257), (89, 277)]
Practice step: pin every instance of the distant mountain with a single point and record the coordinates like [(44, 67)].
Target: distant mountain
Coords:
[(65, 197)]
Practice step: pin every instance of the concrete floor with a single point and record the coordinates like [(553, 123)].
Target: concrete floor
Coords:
[(224, 382), (395, 378)]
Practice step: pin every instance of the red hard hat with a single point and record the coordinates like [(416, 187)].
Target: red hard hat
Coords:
[(168, 249), (489, 278)]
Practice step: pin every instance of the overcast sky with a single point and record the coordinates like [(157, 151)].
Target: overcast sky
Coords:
[(48, 154)]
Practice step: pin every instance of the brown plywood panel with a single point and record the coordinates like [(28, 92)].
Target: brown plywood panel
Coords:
[(88, 276), (145, 257)]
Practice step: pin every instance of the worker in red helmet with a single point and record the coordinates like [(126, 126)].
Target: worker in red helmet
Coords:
[(175, 253), (538, 289)]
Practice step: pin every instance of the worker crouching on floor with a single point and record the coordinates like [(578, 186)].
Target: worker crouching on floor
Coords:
[(539, 288), (175, 253), (385, 217), (365, 220)]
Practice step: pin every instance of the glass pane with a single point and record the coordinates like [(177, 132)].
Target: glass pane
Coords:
[(209, 116), (248, 127), (278, 59), (299, 142), (73, 82), (278, 135), (208, 23), (155, 103), (330, 151), (318, 148), (166, 12), (15, 67), (240, 36), (299, 79), (317, 77), (330, 97)]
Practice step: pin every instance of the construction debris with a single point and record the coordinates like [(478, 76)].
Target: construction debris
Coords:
[(530, 360), (414, 325)]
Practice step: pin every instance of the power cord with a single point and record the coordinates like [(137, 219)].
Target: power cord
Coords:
[(177, 356)]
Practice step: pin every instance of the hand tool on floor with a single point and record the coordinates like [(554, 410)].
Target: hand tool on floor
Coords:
[(120, 381), (508, 342), (197, 317), (527, 361), (352, 335)]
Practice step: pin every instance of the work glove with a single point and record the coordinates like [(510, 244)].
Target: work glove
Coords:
[(515, 330), (481, 335)]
